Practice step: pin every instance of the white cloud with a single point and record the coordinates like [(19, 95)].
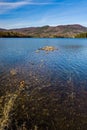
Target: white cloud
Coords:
[(14, 4), (6, 6)]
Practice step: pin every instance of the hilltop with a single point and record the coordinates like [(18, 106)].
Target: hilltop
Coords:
[(46, 31)]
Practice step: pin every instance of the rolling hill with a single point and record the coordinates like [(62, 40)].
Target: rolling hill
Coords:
[(48, 31)]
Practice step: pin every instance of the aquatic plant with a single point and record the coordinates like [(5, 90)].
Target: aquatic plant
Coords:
[(4, 122)]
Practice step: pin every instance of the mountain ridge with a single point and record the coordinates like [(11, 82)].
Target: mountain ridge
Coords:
[(70, 30)]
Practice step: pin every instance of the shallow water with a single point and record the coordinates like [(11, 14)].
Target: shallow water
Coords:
[(60, 77)]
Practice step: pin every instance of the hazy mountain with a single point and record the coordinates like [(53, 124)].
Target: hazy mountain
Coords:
[(1, 29), (51, 31)]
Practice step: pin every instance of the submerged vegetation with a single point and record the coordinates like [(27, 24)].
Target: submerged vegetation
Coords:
[(40, 103), (5, 120)]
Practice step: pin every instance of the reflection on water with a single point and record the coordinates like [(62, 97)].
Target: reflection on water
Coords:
[(43, 91)]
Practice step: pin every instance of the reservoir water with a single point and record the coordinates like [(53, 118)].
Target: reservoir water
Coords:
[(54, 96)]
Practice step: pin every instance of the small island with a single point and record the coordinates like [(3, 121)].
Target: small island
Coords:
[(48, 48)]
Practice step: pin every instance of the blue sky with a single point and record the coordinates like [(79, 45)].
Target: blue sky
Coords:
[(26, 13)]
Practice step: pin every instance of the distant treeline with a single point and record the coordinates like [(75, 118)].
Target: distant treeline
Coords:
[(12, 34), (81, 35)]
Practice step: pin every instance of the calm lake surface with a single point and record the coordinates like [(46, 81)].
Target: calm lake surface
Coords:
[(59, 101)]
